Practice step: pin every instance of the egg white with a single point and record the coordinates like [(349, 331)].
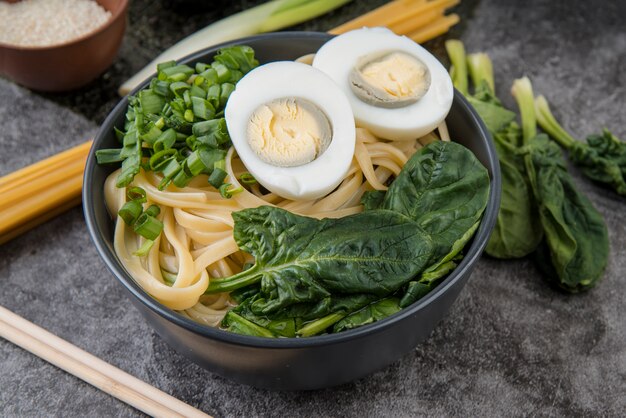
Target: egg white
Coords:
[(338, 57), (283, 79)]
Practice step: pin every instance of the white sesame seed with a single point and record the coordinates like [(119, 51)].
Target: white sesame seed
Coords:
[(49, 22)]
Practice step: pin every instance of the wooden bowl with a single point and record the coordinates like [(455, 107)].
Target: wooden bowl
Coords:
[(71, 64)]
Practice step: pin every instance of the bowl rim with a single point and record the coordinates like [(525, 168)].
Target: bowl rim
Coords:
[(112, 263), (120, 10)]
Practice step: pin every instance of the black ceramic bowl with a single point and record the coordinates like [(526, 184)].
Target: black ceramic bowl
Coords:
[(294, 363)]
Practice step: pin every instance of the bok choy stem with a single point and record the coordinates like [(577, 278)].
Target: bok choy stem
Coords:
[(549, 124), (458, 72), (522, 90), (481, 69)]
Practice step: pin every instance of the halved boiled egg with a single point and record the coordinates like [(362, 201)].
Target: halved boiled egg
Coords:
[(293, 129), (396, 88)]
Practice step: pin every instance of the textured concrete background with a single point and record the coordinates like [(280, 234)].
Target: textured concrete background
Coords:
[(510, 346)]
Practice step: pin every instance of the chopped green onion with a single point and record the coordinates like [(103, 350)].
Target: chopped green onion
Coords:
[(183, 177), (247, 178), (148, 226), (196, 91), (130, 212), (187, 98), (227, 89), (213, 94), (195, 164), (152, 134), (153, 210), (165, 140), (150, 101), (168, 64), (202, 108), (221, 164), (177, 72), (161, 158), (211, 156), (227, 192), (189, 116), (179, 87), (144, 249), (136, 193), (209, 75), (160, 123), (169, 170), (108, 156), (216, 179), (223, 73)]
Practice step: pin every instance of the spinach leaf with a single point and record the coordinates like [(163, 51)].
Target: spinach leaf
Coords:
[(369, 314), (303, 260), (574, 230), (444, 189), (517, 231), (373, 199)]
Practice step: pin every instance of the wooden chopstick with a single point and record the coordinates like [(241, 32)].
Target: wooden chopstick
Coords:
[(91, 369), (45, 189)]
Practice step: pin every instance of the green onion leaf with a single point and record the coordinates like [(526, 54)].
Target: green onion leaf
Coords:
[(153, 210), (216, 179), (211, 156), (159, 159), (151, 102), (188, 115), (163, 65), (227, 89), (136, 194), (223, 73), (247, 178), (202, 108), (227, 192), (130, 212), (148, 226), (179, 87), (108, 156), (165, 140), (144, 249), (195, 164)]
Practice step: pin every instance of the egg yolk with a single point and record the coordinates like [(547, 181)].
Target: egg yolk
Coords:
[(393, 80), (288, 132)]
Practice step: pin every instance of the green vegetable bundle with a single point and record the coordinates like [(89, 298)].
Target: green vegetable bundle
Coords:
[(312, 276), (176, 126), (541, 210)]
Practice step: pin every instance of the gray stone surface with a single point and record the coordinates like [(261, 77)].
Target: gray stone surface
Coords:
[(511, 345)]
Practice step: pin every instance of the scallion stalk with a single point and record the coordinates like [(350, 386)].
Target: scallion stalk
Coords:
[(269, 16)]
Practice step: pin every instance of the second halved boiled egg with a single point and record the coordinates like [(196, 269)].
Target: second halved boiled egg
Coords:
[(396, 88), (293, 129)]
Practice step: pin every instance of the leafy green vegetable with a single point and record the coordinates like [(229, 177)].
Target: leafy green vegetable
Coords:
[(575, 233), (602, 158), (369, 314), (176, 125), (329, 273), (300, 259), (443, 188), (517, 231)]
